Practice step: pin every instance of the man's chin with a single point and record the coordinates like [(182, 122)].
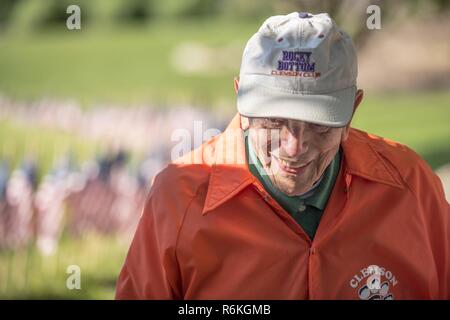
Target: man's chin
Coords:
[(285, 185), (288, 186)]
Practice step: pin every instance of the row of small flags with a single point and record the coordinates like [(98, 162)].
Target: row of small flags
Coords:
[(103, 196)]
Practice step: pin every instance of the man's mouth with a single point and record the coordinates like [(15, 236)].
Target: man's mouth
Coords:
[(290, 167)]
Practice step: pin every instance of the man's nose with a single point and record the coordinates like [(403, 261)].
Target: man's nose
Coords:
[(293, 142)]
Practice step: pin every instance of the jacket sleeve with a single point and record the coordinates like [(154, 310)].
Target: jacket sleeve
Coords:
[(436, 209), (151, 269)]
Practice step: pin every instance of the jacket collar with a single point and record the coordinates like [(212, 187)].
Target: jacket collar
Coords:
[(230, 173)]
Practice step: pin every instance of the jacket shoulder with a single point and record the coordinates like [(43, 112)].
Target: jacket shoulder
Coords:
[(181, 179), (404, 162)]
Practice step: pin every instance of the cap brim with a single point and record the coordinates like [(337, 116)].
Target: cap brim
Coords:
[(332, 109)]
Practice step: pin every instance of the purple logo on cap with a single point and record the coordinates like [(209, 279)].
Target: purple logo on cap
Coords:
[(297, 64), (296, 61)]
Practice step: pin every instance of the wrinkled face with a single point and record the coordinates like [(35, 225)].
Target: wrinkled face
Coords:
[(294, 153)]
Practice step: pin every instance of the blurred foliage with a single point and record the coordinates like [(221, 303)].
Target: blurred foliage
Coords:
[(176, 9), (135, 11), (34, 15), (253, 10), (6, 7), (351, 15), (37, 15), (53, 13)]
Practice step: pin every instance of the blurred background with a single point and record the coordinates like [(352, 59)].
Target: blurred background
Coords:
[(87, 116)]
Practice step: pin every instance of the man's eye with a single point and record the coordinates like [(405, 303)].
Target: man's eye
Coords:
[(318, 128)]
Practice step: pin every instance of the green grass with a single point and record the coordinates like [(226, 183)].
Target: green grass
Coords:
[(126, 65), (419, 120), (26, 274)]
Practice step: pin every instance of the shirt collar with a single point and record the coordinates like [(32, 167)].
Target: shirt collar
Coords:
[(320, 196), (230, 173)]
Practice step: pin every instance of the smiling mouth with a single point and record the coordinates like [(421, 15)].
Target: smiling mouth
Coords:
[(290, 167)]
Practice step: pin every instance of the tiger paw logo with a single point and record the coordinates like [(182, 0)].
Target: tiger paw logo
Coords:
[(374, 283)]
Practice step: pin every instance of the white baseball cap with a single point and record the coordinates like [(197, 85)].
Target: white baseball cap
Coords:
[(299, 66)]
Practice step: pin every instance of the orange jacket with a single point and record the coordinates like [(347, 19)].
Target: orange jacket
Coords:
[(209, 230)]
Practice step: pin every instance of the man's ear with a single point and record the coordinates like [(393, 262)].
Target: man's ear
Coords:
[(236, 84), (358, 98)]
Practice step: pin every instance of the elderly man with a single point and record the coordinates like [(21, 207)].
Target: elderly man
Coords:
[(290, 202)]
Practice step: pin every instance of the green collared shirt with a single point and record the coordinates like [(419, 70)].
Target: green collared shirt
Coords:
[(308, 208)]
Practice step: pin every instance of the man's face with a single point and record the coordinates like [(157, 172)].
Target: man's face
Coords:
[(294, 153)]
